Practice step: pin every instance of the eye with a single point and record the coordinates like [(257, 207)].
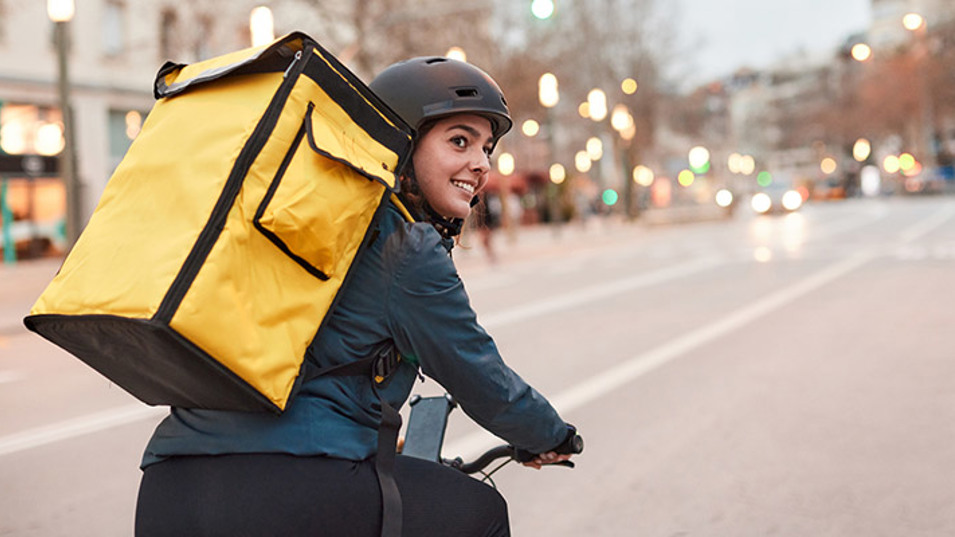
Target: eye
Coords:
[(488, 150), (459, 141)]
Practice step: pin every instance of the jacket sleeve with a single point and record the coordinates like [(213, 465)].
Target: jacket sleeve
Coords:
[(433, 323)]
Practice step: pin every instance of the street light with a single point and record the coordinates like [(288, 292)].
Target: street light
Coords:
[(861, 52), (913, 21), (61, 13), (261, 26), (547, 91), (542, 9), (597, 101)]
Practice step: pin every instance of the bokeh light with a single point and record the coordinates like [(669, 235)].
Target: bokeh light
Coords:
[(582, 161), (861, 52), (764, 179), (505, 164), (557, 173), (642, 175), (610, 197), (891, 164), (861, 149), (530, 128), (828, 165), (686, 178), (629, 86)]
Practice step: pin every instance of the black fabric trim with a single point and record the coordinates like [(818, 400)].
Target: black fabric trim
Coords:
[(151, 361), (353, 95), (275, 58), (314, 145)]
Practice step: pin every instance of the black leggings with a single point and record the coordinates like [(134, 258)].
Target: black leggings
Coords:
[(276, 494)]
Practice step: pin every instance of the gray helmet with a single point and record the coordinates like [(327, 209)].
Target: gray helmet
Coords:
[(431, 87)]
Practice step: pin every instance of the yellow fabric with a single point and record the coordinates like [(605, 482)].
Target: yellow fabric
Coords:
[(252, 307), (158, 200)]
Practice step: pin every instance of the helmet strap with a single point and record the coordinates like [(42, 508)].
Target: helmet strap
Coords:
[(446, 227)]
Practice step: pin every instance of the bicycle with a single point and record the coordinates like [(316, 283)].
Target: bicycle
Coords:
[(424, 439)]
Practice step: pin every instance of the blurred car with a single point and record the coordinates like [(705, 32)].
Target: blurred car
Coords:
[(776, 199)]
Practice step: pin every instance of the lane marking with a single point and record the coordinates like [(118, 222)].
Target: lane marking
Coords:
[(75, 427), (10, 376), (626, 372), (594, 293), (575, 397)]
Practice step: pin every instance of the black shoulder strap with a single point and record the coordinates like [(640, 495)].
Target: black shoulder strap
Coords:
[(379, 366)]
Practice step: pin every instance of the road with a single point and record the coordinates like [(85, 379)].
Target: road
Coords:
[(787, 375)]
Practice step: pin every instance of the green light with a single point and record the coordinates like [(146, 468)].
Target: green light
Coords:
[(610, 197), (542, 9), (764, 179), (700, 170)]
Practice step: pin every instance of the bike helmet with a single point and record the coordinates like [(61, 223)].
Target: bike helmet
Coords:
[(430, 87)]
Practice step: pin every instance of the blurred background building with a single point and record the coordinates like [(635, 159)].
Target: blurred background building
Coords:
[(603, 124)]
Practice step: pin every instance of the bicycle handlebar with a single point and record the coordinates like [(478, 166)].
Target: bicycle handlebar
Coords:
[(574, 446)]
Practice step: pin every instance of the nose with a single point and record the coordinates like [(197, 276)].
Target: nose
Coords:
[(481, 163)]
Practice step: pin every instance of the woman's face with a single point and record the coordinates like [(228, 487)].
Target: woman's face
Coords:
[(452, 161)]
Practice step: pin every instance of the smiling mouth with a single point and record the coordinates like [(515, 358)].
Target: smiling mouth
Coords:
[(469, 188)]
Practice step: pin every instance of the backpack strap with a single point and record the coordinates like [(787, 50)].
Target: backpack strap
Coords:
[(380, 366)]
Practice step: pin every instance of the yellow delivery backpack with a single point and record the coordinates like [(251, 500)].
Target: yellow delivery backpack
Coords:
[(222, 240)]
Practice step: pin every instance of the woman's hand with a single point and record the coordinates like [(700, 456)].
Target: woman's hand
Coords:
[(550, 457)]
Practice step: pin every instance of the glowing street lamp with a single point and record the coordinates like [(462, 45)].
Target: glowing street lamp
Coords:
[(547, 91), (61, 13), (597, 101), (861, 52), (913, 21), (456, 53), (595, 148), (505, 164), (261, 26), (542, 9), (557, 174)]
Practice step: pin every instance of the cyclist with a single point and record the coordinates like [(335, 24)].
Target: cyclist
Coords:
[(315, 469)]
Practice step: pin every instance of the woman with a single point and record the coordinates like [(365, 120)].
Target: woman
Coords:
[(312, 469)]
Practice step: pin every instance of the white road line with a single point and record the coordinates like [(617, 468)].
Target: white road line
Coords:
[(575, 397), (610, 379), (593, 293), (82, 425), (629, 370), (10, 376)]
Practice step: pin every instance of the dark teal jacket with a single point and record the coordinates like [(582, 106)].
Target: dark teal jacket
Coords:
[(405, 289)]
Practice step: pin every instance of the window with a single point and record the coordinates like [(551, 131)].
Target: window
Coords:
[(114, 27)]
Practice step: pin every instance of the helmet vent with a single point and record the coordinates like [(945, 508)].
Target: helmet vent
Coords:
[(467, 92)]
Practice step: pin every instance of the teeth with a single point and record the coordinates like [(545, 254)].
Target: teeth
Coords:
[(465, 186)]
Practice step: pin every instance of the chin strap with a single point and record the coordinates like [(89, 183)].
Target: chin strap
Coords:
[(447, 227)]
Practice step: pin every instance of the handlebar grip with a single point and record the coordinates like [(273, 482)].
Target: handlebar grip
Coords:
[(573, 445)]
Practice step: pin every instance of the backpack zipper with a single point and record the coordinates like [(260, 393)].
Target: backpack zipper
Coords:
[(217, 219)]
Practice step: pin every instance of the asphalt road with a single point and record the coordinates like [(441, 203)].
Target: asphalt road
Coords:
[(787, 375)]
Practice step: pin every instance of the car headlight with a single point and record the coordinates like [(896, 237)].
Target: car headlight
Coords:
[(761, 202), (792, 200)]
